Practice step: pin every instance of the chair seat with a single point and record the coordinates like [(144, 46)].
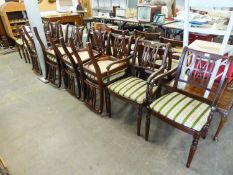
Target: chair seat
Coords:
[(103, 64), (52, 52), (19, 41), (183, 110), (132, 88)]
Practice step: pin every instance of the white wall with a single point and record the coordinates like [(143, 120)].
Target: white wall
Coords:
[(2, 2)]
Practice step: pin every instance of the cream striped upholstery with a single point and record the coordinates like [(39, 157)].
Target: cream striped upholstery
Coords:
[(183, 110), (132, 88)]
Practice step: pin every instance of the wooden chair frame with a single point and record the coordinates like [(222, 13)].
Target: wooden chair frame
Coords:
[(203, 76), (52, 66), (147, 69), (32, 51)]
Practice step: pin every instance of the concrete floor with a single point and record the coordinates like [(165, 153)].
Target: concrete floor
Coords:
[(45, 131)]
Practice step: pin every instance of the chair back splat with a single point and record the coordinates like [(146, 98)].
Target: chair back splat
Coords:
[(31, 50), (118, 45), (195, 70), (150, 56), (52, 63)]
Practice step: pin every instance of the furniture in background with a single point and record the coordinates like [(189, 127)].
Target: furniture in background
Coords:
[(176, 50), (187, 111), (13, 13), (63, 17), (211, 47)]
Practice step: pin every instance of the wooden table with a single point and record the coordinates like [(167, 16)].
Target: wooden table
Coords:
[(123, 21), (224, 106), (179, 27), (63, 17)]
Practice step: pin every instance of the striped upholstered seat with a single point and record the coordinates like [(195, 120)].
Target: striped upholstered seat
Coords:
[(183, 110), (132, 88)]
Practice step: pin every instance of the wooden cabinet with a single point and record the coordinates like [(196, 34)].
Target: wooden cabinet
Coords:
[(13, 15)]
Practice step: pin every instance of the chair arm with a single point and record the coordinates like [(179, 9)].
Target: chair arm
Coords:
[(119, 61), (155, 74), (161, 76)]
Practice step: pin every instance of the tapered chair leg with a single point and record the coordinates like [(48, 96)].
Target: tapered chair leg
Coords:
[(139, 120), (147, 125), (193, 149), (19, 50), (108, 102)]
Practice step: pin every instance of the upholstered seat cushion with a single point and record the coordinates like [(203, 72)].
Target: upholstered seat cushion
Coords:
[(103, 63), (132, 88), (183, 110), (19, 41)]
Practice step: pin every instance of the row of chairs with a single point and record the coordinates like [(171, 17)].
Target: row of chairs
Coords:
[(135, 68)]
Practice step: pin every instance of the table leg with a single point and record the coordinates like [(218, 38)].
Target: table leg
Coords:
[(222, 122)]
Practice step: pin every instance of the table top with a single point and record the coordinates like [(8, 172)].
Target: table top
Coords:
[(178, 25), (209, 47), (134, 20), (53, 14)]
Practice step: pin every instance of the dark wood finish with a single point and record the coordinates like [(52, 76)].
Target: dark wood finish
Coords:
[(197, 77), (98, 39), (98, 72), (52, 63), (31, 49), (145, 67), (118, 45), (147, 35), (176, 49), (20, 44), (65, 18)]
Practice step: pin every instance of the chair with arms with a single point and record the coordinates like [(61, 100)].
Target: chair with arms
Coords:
[(99, 72), (182, 108), (133, 86)]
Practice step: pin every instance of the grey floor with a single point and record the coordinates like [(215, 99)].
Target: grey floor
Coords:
[(45, 131)]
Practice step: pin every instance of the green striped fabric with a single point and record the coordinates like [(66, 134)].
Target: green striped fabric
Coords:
[(182, 109), (132, 88)]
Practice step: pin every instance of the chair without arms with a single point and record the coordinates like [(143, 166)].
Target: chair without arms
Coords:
[(132, 87), (20, 44), (52, 63), (30, 46), (184, 110)]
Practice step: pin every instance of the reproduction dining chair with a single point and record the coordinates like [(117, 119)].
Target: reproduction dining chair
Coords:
[(99, 72), (20, 44), (52, 63), (132, 87), (182, 108), (118, 45), (98, 39), (31, 49)]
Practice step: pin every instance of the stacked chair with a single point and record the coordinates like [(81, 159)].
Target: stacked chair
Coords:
[(135, 67)]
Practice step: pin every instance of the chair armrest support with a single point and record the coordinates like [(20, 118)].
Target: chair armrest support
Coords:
[(119, 61)]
